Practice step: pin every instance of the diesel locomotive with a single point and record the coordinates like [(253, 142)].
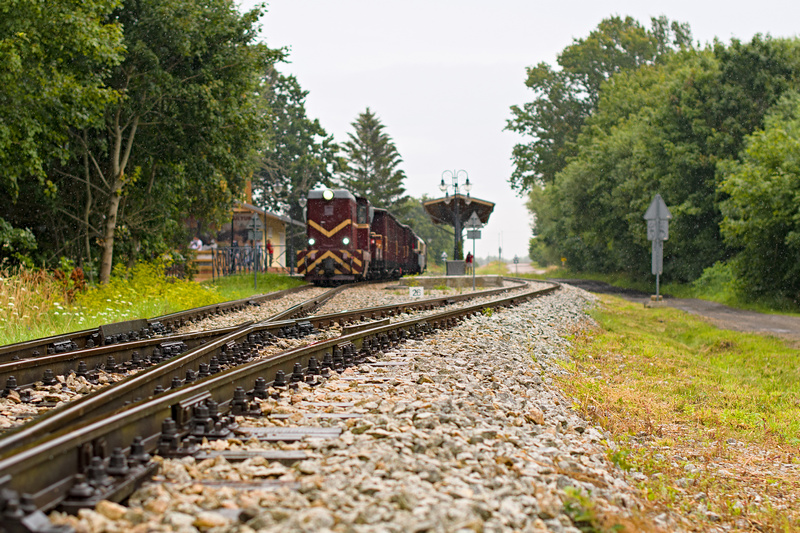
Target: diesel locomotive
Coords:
[(350, 240)]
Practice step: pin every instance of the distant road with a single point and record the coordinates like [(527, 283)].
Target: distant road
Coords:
[(524, 268)]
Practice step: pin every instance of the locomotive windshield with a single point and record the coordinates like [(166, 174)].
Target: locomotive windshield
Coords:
[(361, 216)]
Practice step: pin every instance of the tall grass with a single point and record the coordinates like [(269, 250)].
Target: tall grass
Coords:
[(27, 301), (35, 304)]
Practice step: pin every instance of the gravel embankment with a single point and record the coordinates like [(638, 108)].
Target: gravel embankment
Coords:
[(386, 294), (255, 313), (461, 431)]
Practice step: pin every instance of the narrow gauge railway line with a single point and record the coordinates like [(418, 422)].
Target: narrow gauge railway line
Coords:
[(104, 458), (21, 374), (132, 330), (184, 366), (130, 358)]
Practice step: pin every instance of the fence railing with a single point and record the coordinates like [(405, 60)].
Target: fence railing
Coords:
[(229, 260)]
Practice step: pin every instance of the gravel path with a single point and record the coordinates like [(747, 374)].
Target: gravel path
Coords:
[(784, 326), (462, 431)]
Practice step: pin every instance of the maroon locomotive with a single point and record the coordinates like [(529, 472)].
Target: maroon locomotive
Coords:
[(349, 240)]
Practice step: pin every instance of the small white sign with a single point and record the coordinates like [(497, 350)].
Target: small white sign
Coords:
[(416, 292)]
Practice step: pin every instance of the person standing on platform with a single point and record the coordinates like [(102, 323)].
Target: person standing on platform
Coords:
[(269, 251), (469, 262)]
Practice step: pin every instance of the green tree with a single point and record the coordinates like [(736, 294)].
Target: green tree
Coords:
[(662, 128), (372, 162), (565, 97), (762, 213), (299, 154), (54, 56), (438, 238), (185, 134)]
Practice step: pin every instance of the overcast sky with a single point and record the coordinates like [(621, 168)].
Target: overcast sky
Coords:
[(442, 74)]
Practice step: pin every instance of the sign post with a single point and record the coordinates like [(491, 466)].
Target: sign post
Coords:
[(474, 233), (657, 217)]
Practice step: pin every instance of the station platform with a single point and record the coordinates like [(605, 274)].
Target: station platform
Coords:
[(429, 282)]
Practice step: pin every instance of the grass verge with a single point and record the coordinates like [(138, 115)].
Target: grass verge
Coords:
[(33, 304), (715, 285), (705, 420), (242, 285)]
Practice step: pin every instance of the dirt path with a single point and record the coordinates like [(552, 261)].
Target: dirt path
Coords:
[(722, 316), (524, 268)]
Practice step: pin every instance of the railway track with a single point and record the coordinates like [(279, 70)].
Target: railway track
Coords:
[(185, 358), (56, 468), (131, 330)]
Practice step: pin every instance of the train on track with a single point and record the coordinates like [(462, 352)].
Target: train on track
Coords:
[(350, 240)]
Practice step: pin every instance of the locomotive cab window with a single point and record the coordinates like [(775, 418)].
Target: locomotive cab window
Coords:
[(361, 217)]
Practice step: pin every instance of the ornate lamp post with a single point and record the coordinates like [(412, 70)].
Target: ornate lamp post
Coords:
[(453, 176)]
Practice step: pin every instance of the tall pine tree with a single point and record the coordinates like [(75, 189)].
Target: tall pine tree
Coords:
[(371, 164)]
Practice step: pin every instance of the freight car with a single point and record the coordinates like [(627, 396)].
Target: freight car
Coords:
[(350, 240)]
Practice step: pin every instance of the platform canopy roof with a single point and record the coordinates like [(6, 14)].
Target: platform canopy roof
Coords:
[(442, 210)]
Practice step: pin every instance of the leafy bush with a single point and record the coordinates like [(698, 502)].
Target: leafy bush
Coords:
[(716, 283), (15, 245), (142, 291)]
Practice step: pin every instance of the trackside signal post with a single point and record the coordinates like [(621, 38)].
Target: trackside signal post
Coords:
[(657, 217), (474, 233)]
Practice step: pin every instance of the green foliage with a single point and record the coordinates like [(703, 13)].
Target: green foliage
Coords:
[(299, 154), (438, 238), (664, 127), (15, 245), (581, 510), (36, 304), (372, 162), (54, 56), (717, 283), (565, 97), (539, 253), (667, 371), (621, 458), (762, 213), (180, 143), (142, 289)]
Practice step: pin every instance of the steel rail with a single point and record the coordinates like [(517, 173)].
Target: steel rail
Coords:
[(47, 469), (181, 366), (26, 372), (138, 385), (100, 335)]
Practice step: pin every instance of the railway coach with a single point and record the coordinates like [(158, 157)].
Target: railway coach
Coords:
[(350, 240)]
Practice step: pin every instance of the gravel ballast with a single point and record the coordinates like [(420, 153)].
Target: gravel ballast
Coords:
[(461, 431)]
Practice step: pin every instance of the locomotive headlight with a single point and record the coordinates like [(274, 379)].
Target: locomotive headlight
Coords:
[(312, 241), (327, 194), (346, 241)]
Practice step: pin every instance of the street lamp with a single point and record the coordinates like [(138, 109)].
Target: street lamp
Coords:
[(453, 176), (292, 257)]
